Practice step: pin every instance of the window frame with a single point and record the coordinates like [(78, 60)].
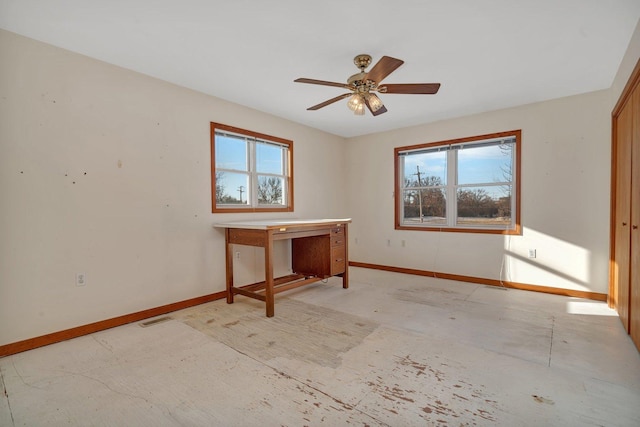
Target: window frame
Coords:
[(252, 171), (452, 187)]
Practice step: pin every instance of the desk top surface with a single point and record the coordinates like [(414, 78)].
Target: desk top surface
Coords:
[(278, 223)]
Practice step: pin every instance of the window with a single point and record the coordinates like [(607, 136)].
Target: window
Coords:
[(251, 172), (469, 184)]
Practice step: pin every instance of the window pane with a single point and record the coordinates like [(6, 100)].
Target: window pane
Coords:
[(482, 206), (269, 158), (425, 169), (270, 190), (232, 188), (485, 165), (425, 207), (231, 152)]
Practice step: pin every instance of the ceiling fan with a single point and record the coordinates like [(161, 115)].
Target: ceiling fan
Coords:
[(363, 85)]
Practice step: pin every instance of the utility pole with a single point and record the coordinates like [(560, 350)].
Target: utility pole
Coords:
[(241, 190), (419, 191)]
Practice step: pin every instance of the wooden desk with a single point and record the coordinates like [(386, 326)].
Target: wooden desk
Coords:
[(318, 250)]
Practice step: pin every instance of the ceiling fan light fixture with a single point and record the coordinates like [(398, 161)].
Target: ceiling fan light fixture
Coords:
[(354, 102), (374, 102), (359, 111)]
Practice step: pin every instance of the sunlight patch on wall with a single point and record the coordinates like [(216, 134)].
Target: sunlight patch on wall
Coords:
[(556, 262)]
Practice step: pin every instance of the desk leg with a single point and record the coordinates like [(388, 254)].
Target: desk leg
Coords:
[(345, 275), (268, 272), (229, 266)]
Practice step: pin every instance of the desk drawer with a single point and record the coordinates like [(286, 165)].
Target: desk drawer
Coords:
[(337, 231), (337, 240), (337, 236), (338, 260)]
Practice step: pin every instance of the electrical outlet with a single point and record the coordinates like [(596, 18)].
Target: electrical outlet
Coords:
[(81, 279), (532, 253), (237, 255)]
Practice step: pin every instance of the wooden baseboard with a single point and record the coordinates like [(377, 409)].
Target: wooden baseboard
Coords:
[(31, 343), (480, 280)]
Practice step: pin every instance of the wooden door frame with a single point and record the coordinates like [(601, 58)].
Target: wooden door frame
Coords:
[(632, 83)]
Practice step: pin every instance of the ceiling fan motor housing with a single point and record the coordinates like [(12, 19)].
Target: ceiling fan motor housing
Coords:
[(362, 61)]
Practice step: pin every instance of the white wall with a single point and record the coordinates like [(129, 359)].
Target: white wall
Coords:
[(107, 172), (565, 198), (626, 66)]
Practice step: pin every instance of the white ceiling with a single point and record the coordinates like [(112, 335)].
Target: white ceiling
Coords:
[(488, 54)]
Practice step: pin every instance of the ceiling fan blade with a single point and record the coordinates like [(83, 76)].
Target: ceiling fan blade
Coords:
[(379, 111), (322, 82), (383, 68), (411, 88), (330, 101)]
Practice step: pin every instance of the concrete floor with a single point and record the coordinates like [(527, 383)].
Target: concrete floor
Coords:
[(392, 350)]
